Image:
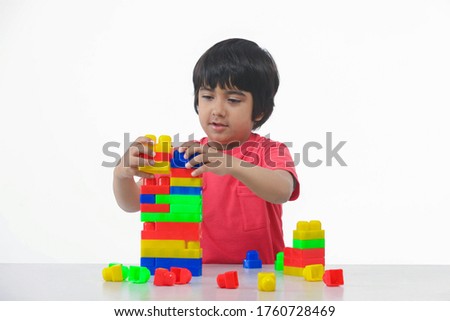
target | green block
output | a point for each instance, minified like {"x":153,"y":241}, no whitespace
{"x":185,"y":209}
{"x":179,"y":199}
{"x":279,"y":262}
{"x":139,"y":274}
{"x":309,"y":244}
{"x":171,"y":217}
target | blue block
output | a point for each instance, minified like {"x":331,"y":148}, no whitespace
{"x":252,"y":260}
{"x":148,"y":199}
{"x":193,"y":265}
{"x":178,"y":160}
{"x":185,"y":190}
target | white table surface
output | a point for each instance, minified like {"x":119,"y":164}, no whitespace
{"x":84,"y":282}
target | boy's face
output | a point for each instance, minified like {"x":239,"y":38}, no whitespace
{"x":225,"y":114}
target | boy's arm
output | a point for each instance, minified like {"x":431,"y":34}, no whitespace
{"x":272,"y":185}
{"x":126,"y":190}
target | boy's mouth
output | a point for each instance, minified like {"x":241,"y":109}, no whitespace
{"x":218,"y":126}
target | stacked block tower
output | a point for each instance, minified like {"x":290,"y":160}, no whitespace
{"x":171,"y":212}
{"x":308,"y":248}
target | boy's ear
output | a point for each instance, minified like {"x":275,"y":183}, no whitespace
{"x":259,"y":117}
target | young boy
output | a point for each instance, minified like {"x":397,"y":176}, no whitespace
{"x":246,"y":177}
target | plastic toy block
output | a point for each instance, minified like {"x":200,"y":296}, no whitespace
{"x":163,"y":277}
{"x":266,"y":281}
{"x":149,"y":181}
{"x":313,"y":272}
{"x":185,"y":190}
{"x":182,"y":275}
{"x":304,"y":253}
{"x":333,"y":277}
{"x":279,"y":262}
{"x":228,"y":280}
{"x":115,"y":273}
{"x":186,"y":181}
{"x":169,"y":244}
{"x":178,"y":160}
{"x":193,"y":265}
{"x":147,"y":199}
{"x":157,"y":168}
{"x":171,"y":231}
{"x":302,"y":262}
{"x":139,"y":274}
{"x":170,"y":217}
{"x":185,"y":209}
{"x":311,"y":230}
{"x":179,"y":199}
{"x":309,"y":244}
{"x":155,"y":189}
{"x":172,"y":253}
{"x":162,"y":157}
{"x":164,"y":144}
{"x":252,"y":260}
{"x":292,"y":270}
{"x":181,"y":172}
{"x":155,"y":208}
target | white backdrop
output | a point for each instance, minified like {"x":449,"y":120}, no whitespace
{"x":75,"y":75}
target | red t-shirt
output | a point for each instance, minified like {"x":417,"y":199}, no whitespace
{"x":235,"y":220}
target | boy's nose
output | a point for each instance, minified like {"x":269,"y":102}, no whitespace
{"x":219,"y":108}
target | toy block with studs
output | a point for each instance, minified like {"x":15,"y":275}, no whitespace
{"x":266,"y":281}
{"x":333,"y":277}
{"x":171,"y":231}
{"x":163,"y":146}
{"x":313,"y":272}
{"x":115,"y":272}
{"x":252,"y":260}
{"x":182,"y":275}
{"x":139,"y":274}
{"x":192,"y":264}
{"x":279,"y":262}
{"x":164,"y":277}
{"x":228,"y":280}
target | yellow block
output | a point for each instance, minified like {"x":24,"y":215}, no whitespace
{"x":164,"y":144}
{"x":311,"y":230}
{"x":113,"y":273}
{"x":161,"y":168}
{"x":313,"y":272}
{"x":266,"y":281}
{"x":186,"y":181}
{"x":292,"y":270}
{"x":172,"y":253}
{"x":169,"y":244}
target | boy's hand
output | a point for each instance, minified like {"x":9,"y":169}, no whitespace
{"x":139,"y":154}
{"x":210,"y":156}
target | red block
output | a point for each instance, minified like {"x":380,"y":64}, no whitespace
{"x":162,"y":157}
{"x":333,"y":277}
{"x":155,"y":208}
{"x":155,"y":189}
{"x":149,"y":181}
{"x":299,"y":262}
{"x":182,"y":275}
{"x":163,"y":277}
{"x":171,"y":231}
{"x":181,"y":172}
{"x":305,"y":254}
{"x":228,"y":280}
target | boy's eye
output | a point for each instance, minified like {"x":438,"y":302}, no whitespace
{"x":207,"y":97}
{"x":234,"y":100}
